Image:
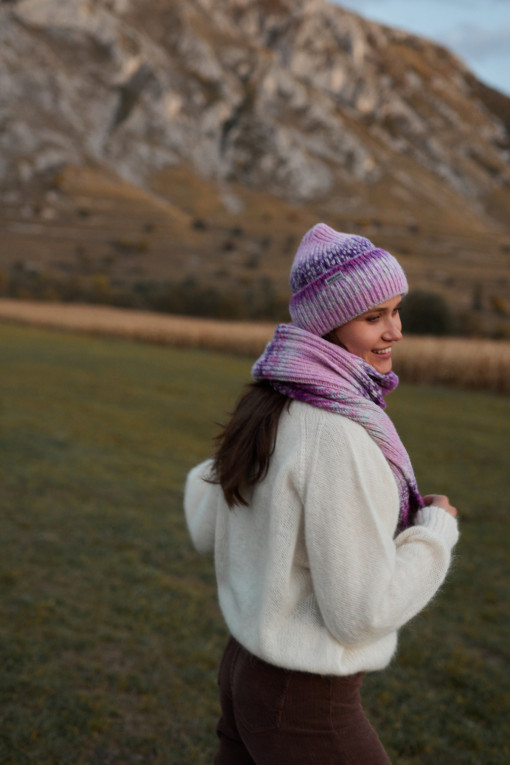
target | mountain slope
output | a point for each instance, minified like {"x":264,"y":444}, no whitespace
{"x":278,"y":105}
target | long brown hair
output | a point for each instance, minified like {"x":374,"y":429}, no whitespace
{"x":247,"y":442}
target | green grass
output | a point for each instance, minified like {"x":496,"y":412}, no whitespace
{"x":110,"y":632}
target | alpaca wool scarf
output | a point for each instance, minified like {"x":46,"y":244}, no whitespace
{"x":308,"y":368}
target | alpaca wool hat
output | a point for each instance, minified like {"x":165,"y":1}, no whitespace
{"x":336,"y":277}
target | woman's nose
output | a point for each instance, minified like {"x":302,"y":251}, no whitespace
{"x":393,"y":330}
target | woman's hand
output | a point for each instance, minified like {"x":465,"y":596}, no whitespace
{"x":440,"y":500}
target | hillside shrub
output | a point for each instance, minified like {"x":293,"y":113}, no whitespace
{"x":252,"y":261}
{"x":199,"y":224}
{"x":426,"y":313}
{"x":251,"y":299}
{"x":499,"y":305}
{"x":4,"y":282}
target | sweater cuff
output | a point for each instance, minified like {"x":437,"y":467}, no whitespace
{"x":440,"y":522}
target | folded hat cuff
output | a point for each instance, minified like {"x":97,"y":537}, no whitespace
{"x":347,"y":290}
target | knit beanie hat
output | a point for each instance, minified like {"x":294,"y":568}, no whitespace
{"x":336,"y":277}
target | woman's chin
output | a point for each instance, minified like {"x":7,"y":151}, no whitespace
{"x":382,"y":365}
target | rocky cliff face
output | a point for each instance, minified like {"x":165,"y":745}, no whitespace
{"x":295,"y":96}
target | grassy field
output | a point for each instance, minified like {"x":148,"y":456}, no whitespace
{"x":110,"y":632}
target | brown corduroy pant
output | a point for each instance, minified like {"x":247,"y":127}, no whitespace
{"x":273,"y":716}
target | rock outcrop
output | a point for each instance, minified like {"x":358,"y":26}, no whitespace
{"x":298,"y":97}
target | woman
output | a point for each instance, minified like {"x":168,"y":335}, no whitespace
{"x":323,"y":545}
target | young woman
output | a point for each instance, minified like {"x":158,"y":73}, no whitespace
{"x":323,"y":545}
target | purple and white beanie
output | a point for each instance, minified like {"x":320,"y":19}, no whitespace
{"x":336,"y":277}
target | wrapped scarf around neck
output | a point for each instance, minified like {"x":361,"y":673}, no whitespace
{"x":308,"y":368}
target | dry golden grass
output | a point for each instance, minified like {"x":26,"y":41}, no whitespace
{"x":456,"y":361}
{"x":231,"y":336}
{"x":461,"y":362}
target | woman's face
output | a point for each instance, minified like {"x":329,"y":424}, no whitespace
{"x":372,"y":335}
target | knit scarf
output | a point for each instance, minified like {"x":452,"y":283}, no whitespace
{"x":308,"y":368}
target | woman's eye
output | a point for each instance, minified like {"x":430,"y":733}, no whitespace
{"x":372,"y":318}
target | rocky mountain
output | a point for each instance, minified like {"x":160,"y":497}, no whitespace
{"x":126,"y":125}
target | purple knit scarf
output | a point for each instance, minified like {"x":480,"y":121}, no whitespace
{"x":308,"y":368}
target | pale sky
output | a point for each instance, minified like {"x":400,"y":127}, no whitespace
{"x":477,"y":31}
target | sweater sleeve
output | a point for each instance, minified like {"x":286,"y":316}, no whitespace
{"x":368,"y":583}
{"x":200,"y":507}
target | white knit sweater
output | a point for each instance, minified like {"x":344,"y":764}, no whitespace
{"x":310,"y":575}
